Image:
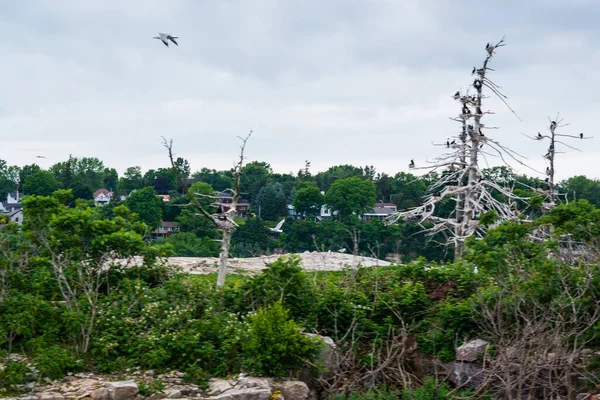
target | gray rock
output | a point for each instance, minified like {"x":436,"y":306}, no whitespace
{"x":244,"y":394}
{"x":173,"y":394}
{"x":471,"y":350}
{"x":50,"y":396}
{"x":150,"y":372}
{"x":252,"y":382}
{"x":100,"y":394}
{"x":293,"y":390}
{"x":124,"y":390}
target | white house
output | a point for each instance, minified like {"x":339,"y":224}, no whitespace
{"x":16,"y":217}
{"x":102,"y":197}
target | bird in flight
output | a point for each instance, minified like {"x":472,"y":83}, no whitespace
{"x":40,"y":156}
{"x":277,"y":228}
{"x":165,"y":37}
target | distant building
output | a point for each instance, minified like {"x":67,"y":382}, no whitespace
{"x":165,"y":229}
{"x":16,"y":216}
{"x":380,"y":211}
{"x":11,"y":208}
{"x":243,"y":206}
{"x":102,"y":197}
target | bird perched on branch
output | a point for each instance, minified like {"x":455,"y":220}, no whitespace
{"x":465,"y":110}
{"x":478,"y":111}
{"x":552,"y":126}
{"x":473,"y":72}
{"x":477,"y":84}
{"x":165,"y":37}
{"x":456,"y":96}
{"x":539,"y":136}
{"x":489,"y":48}
{"x":581,"y":135}
{"x":448,"y":143}
{"x":412,"y":164}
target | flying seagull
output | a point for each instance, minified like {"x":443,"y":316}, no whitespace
{"x":165,"y":37}
{"x":278,"y":227}
{"x":40,"y":156}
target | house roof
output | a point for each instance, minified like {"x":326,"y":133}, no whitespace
{"x":102,"y":191}
{"x":385,"y":205}
{"x":168,"y":224}
{"x":15,"y":212}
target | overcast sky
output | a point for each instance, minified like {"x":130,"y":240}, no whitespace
{"x":364,"y":82}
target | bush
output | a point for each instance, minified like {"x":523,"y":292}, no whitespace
{"x":275,"y":346}
{"x":13,"y":373}
{"x":54,"y":362}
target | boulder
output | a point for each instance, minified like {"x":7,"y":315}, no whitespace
{"x":250,"y":382}
{"x":218,"y":386}
{"x":124,"y":390}
{"x":293,"y":390}
{"x":471,"y":350}
{"x":100,"y":394}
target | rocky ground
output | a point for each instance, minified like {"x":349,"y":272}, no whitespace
{"x":311,"y":261}
{"x":145,"y":385}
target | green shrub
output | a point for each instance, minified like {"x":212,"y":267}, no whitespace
{"x":13,"y":373}
{"x":275,"y":346}
{"x":54,"y":362}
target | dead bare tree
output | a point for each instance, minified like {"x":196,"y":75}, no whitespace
{"x":555,"y":138}
{"x":223,"y":218}
{"x":540,"y":348}
{"x":461,"y":178}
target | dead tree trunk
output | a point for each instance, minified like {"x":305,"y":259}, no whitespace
{"x":555,"y":138}
{"x":465,"y":184}
{"x":222,"y":220}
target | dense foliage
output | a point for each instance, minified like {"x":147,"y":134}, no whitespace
{"x":69,"y":302}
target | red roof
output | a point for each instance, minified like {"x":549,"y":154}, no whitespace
{"x":101,"y":191}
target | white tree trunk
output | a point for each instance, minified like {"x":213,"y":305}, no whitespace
{"x":224,"y":257}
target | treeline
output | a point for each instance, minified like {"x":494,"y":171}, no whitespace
{"x":348,"y":189}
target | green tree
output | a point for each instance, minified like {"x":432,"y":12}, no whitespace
{"x":308,"y":201}
{"x":251,"y":235}
{"x":8,"y":179}
{"x":254,"y":176}
{"x":187,"y":244}
{"x":89,"y":171}
{"x":41,"y":183}
{"x":351,"y":195}
{"x":131,"y":180}
{"x":147,"y":205}
{"x":408,"y":190}
{"x":25,"y":172}
{"x":111,"y":179}
{"x":271,"y":202}
{"x":219,"y":180}
{"x":580,"y":187}
{"x":325,"y":179}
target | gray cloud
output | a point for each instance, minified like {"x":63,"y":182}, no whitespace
{"x":337,"y":82}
